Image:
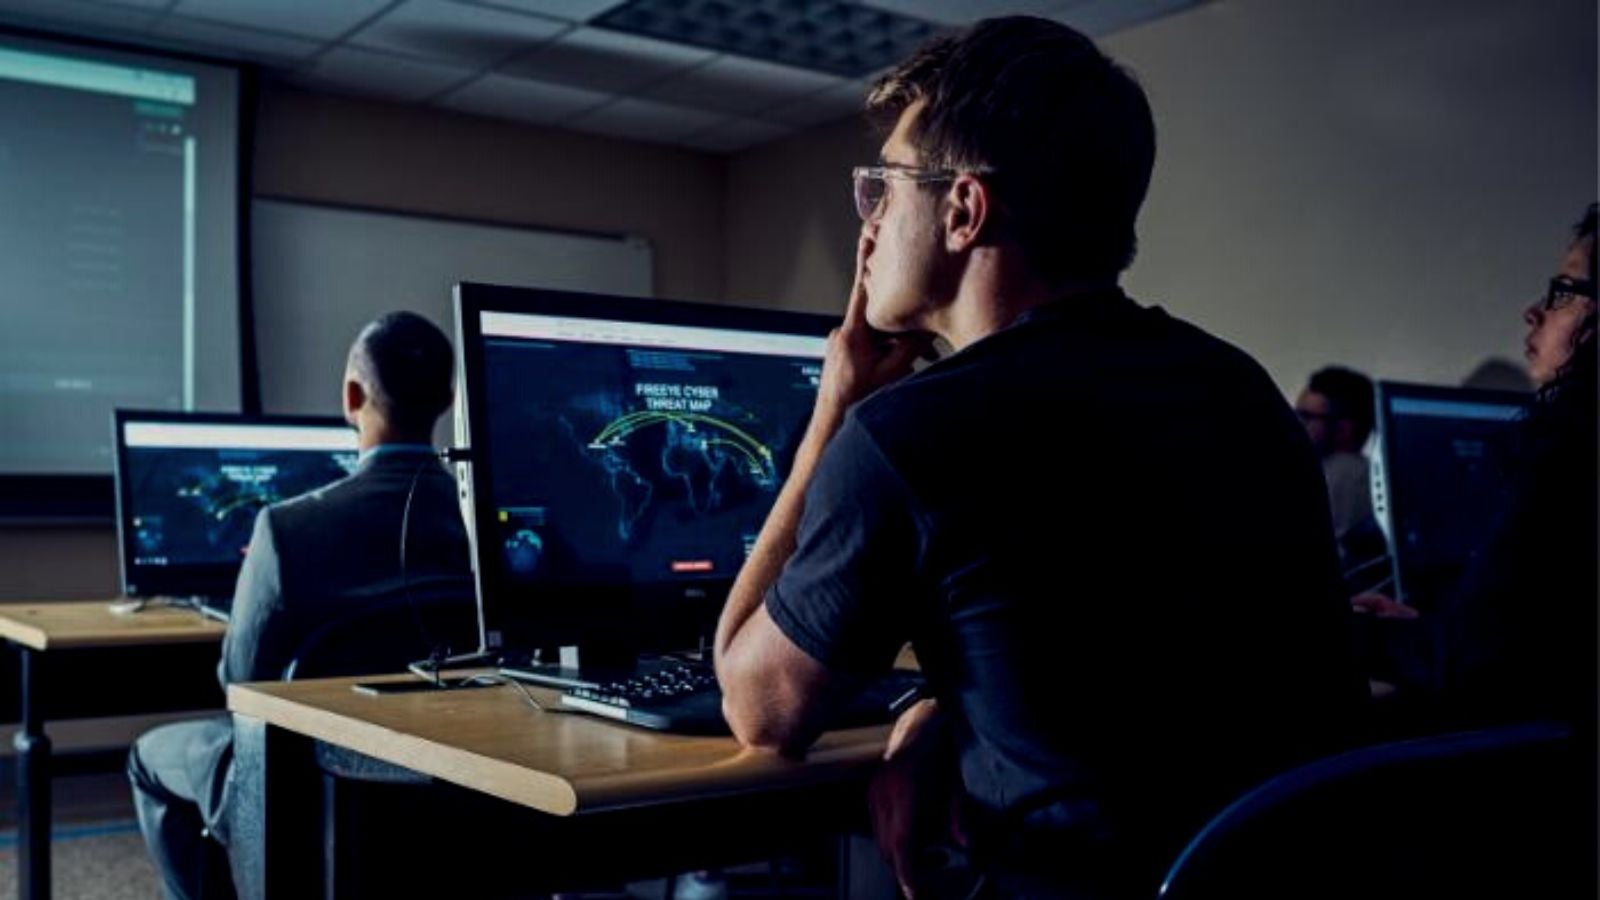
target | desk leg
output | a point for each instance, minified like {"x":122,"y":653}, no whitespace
{"x":275,"y":835}
{"x":33,"y":784}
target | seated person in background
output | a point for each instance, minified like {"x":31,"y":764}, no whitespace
{"x":1516,"y":640}
{"x":1088,"y":610}
{"x":1499,"y":374}
{"x":311,"y":559}
{"x":1337,"y":409}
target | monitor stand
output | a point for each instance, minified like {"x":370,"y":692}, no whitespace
{"x":580,"y":666}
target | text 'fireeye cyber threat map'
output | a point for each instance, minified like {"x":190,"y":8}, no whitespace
{"x":616,"y":462}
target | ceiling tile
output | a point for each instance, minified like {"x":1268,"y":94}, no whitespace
{"x":744,"y":86}
{"x":570,"y":10}
{"x":1102,"y":17}
{"x":230,"y":42}
{"x":100,"y":19}
{"x":605,"y":61}
{"x":963,"y":12}
{"x":822,"y":106}
{"x":505,"y":97}
{"x":477,"y":36}
{"x":320,"y":19}
{"x":735,"y":134}
{"x":142,"y":4}
{"x":384,"y":74}
{"x":645,"y":120}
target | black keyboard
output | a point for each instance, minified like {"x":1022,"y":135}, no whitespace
{"x":683,"y":697}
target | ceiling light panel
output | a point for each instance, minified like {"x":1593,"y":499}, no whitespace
{"x":821,"y":35}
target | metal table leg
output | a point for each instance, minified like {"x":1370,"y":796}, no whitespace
{"x":33,"y":785}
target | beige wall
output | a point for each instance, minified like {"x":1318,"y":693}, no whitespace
{"x":1375,"y":182}
{"x":1370,"y":181}
{"x":337,"y":150}
{"x":58,"y":563}
{"x":791,"y":223}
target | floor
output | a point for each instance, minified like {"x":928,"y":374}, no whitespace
{"x":97,"y":853}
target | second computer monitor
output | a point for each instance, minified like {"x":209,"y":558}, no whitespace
{"x":189,"y":486}
{"x":624,"y":454}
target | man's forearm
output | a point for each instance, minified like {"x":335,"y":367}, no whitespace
{"x":776,"y":542}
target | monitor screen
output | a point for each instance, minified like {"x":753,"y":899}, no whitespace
{"x":189,"y":487}
{"x":119,"y":242}
{"x":624,"y":452}
{"x":1443,"y":477}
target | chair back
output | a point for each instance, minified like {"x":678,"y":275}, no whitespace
{"x":390,"y":627}
{"x":1502,"y":812}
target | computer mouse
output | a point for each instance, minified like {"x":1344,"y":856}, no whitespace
{"x":125,"y":606}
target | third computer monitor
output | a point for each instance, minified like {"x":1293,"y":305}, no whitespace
{"x":1443,"y":478}
{"x":624,"y":455}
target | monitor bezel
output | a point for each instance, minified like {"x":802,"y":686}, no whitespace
{"x":185,"y":580}
{"x":1389,"y":504}
{"x":583,"y":614}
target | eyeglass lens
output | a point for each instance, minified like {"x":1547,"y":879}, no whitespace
{"x":1562,"y":294}
{"x":869,"y":190}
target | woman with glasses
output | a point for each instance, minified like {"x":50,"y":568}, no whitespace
{"x":1517,"y":639}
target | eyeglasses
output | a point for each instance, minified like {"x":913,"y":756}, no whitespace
{"x":1564,"y":291}
{"x":871,"y":183}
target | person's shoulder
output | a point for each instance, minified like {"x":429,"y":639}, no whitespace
{"x":904,"y":404}
{"x":315,"y":503}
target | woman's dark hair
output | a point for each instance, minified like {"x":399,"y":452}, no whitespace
{"x":1064,"y":134}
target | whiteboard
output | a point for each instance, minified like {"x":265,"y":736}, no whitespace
{"x":319,"y":273}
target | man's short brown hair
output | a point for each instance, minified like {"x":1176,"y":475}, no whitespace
{"x":1065,"y":132}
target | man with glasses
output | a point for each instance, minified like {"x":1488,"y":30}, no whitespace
{"x":1103,"y":531}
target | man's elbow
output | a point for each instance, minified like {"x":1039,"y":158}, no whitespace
{"x":752,"y":731}
{"x":758,"y":717}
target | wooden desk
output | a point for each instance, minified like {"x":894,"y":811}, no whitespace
{"x":36,"y":628}
{"x":491,"y":741}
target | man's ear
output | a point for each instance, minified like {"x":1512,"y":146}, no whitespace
{"x":355,"y":397}
{"x":966,"y":213}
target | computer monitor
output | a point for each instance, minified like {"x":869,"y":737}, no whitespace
{"x":1440,"y":479}
{"x":624,"y":453}
{"x":189,"y":486}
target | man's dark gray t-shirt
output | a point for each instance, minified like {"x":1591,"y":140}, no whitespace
{"x":1107,"y":537}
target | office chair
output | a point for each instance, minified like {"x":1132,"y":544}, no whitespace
{"x":1502,"y":812}
{"x":381,"y":634}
